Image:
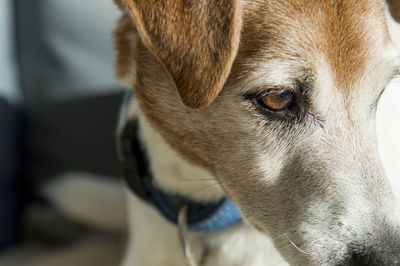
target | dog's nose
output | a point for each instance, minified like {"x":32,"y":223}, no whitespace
{"x":376,"y":256}
{"x":379,"y":247}
{"x":373,"y":260}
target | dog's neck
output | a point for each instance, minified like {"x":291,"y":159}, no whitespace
{"x":171,"y":172}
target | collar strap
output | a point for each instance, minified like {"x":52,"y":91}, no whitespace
{"x":136,"y":173}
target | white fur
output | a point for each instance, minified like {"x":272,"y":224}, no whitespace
{"x":275,"y":73}
{"x":152,"y":239}
{"x":325,"y":87}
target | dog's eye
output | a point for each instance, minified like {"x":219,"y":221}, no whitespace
{"x":276,"y":101}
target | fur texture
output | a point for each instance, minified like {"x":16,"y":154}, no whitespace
{"x":174,"y":32}
{"x":310,"y":178}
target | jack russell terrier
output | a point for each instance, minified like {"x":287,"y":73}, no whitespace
{"x":250,"y":137}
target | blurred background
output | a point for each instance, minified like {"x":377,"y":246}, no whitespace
{"x":59,"y":103}
{"x":61,"y":200}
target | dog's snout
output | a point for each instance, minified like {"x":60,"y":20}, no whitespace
{"x":376,"y":255}
{"x":373,"y":259}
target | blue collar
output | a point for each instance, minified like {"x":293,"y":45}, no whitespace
{"x":202,"y":218}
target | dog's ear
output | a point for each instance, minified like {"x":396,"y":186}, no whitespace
{"x":196,"y":40}
{"x":119,"y":4}
{"x":394,"y":7}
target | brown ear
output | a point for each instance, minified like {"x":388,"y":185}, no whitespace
{"x":118,"y":3}
{"x":197,"y":40}
{"x":394,"y":7}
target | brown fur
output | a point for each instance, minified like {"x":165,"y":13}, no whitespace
{"x":197,"y":42}
{"x":307,"y":30}
{"x":394,"y":6}
{"x":125,"y":46}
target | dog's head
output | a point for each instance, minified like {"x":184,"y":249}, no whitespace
{"x":277,"y":99}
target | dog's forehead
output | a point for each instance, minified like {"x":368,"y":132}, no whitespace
{"x":349,"y":37}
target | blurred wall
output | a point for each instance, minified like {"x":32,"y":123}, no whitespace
{"x":8,"y":69}
{"x":71,"y":96}
{"x":66,"y":49}
{"x":10,"y":96}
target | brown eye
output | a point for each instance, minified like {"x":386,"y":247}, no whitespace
{"x":276,"y":101}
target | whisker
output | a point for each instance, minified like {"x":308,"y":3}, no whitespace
{"x":206,"y":187}
{"x":196,"y":180}
{"x":294,"y":245}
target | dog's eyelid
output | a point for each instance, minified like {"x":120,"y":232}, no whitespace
{"x":272,"y":91}
{"x":266,"y":90}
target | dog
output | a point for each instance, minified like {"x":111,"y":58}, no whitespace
{"x":272,"y":105}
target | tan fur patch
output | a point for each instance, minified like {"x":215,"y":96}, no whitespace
{"x":125,"y":46}
{"x":304,"y":31}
